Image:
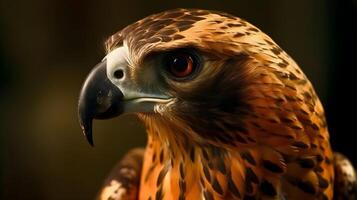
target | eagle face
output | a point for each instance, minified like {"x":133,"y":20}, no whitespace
{"x":192,"y":77}
{"x":201,"y":78}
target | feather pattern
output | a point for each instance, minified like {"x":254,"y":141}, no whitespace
{"x":249,"y":126}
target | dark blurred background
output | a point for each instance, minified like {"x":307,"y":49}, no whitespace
{"x":47,"y":47}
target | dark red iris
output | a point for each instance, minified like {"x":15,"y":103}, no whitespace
{"x":181,"y":65}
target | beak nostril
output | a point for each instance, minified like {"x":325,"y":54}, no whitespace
{"x":119,"y":74}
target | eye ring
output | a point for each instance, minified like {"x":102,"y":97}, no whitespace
{"x":181,"y":65}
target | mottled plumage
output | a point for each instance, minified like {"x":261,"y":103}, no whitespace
{"x":249,"y":125}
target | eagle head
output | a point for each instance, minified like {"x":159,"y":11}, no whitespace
{"x":208,"y":78}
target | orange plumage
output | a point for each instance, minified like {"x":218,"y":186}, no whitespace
{"x":247,"y":125}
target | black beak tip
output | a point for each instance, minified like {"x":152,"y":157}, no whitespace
{"x":86,"y":126}
{"x":98,"y":99}
{"x":89,"y":137}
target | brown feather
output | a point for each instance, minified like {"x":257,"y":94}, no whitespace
{"x":250,"y":108}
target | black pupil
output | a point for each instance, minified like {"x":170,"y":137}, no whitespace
{"x":179,"y":64}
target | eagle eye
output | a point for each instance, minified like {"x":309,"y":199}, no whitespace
{"x":181,"y":64}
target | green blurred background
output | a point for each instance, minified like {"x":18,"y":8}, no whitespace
{"x":47,"y":47}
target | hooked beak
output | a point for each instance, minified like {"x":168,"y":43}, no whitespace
{"x":109,"y":91}
{"x":99,"y":99}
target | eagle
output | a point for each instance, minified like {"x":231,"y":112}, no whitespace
{"x":228,"y":114}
